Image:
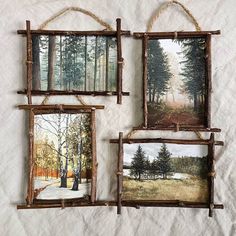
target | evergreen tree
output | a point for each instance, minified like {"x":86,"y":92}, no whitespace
{"x":164,"y":162}
{"x":51,"y":61}
{"x":147,"y":167}
{"x":194,"y":69}
{"x":74,"y":63}
{"x":36,"y":83}
{"x":159,"y":73}
{"x":154,"y":168}
{"x":137,"y":167}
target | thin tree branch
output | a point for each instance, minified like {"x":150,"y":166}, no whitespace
{"x":50,"y":123}
{"x":46,"y":129}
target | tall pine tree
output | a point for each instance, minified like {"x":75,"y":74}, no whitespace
{"x":138,"y":164}
{"x":163,"y":162}
{"x":194,"y":69}
{"x":159,"y":73}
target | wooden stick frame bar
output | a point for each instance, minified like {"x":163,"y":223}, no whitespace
{"x":94,"y":157}
{"x":134,"y":204}
{"x":60,"y":107}
{"x":169,"y":203}
{"x":145,"y":36}
{"x":180,"y":128}
{"x":211,"y":173}
{"x":29,"y":61}
{"x":175,"y":34}
{"x":120,"y":173}
{"x":73,"y":92}
{"x":208,"y":80}
{"x":75,"y":33}
{"x":51,"y":109}
{"x":118,"y":34}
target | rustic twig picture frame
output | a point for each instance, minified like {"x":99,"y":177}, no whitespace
{"x":158,"y":114}
{"x":46,"y":122}
{"x":208,"y":167}
{"x":109,"y":84}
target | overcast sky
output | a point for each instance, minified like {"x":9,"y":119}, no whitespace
{"x":152,"y":149}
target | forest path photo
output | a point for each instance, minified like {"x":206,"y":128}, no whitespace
{"x":176,"y":82}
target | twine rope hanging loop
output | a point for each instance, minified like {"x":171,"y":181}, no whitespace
{"x":166,"y":5}
{"x":77,"y":9}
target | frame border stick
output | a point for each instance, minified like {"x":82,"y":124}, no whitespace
{"x":120,"y":61}
{"x":144,"y":57}
{"x":30,"y":190}
{"x":60,"y":107}
{"x":120,"y":173}
{"x":208,"y":80}
{"x":29,"y":61}
{"x":211,"y":173}
{"x":94,"y":157}
{"x":180,"y":34}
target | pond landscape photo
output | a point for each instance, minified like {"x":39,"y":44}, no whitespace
{"x":63,"y":156}
{"x":157,"y":171}
{"x":176,"y":82}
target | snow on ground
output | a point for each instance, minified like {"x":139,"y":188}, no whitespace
{"x":126,"y":172}
{"x":55,"y":192}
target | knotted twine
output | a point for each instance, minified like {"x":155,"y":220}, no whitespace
{"x":62,"y":13}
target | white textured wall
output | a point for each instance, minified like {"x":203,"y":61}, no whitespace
{"x":212,"y":15}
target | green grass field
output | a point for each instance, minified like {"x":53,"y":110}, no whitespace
{"x":193,"y":189}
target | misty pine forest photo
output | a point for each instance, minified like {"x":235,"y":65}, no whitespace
{"x":176,"y":79}
{"x":63,"y":156}
{"x":155,"y":171}
{"x":80,"y":63}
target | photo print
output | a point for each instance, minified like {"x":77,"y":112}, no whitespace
{"x":176,"y":90}
{"x":63,"y":155}
{"x":70,"y":62}
{"x":159,"y":171}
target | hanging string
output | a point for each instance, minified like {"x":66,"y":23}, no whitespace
{"x":198,"y":135}
{"x":166,"y":5}
{"x":131,"y":133}
{"x":45,"y":100}
{"x":80,"y":100}
{"x":77,"y":9}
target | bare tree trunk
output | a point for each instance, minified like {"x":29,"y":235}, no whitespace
{"x":75,"y":186}
{"x":80,"y":158}
{"x":173,"y":96}
{"x":153,"y":94}
{"x":85,"y":64}
{"x":107,"y":65}
{"x":61,"y":64}
{"x":36,"y":63}
{"x":158,"y":98}
{"x":149,"y":94}
{"x":62,"y":170}
{"x":65,"y":170}
{"x":195,"y":102}
{"x":95,"y":64}
{"x":51,"y":59}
